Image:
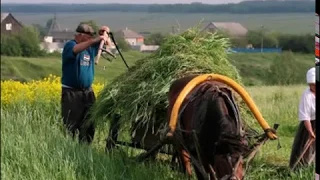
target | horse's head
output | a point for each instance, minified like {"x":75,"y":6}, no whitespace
{"x":228,"y":156}
{"x":231,"y":145}
{"x":229,"y":166}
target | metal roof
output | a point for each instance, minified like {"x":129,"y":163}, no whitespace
{"x":3,"y":16}
{"x":62,"y":35}
{"x":128,"y":33}
{"x":233,"y":28}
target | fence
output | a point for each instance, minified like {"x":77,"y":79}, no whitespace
{"x":264,"y":50}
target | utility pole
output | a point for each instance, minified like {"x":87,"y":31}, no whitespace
{"x":262,"y":34}
{"x":173,"y":30}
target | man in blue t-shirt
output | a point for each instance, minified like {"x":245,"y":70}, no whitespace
{"x":77,"y":77}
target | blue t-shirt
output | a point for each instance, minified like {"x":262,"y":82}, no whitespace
{"x":78,"y":69}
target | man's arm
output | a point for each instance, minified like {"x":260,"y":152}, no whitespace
{"x":84,"y":45}
{"x":308,"y":126}
{"x":95,"y":48}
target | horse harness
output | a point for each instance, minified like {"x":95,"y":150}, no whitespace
{"x":197,"y":162}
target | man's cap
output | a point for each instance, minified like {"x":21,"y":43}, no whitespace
{"x":86,"y":29}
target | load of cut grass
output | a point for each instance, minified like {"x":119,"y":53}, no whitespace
{"x":140,"y":94}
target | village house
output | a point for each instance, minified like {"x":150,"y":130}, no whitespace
{"x":234,"y":29}
{"x":9,"y":24}
{"x":135,"y":40}
{"x":56,"y":37}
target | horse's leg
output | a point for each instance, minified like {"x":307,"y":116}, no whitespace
{"x":186,"y":160}
{"x":199,"y":174}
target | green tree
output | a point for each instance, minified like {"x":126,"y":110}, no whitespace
{"x":10,"y":46}
{"x":26,"y":43}
{"x":155,"y":39}
{"x":286,"y":70}
{"x":297,"y":43}
{"x":29,"y":42}
{"x":261,"y":37}
{"x":42,"y":30}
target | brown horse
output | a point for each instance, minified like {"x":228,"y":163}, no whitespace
{"x":209,"y":131}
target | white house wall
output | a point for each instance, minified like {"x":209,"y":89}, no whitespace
{"x":132,"y":41}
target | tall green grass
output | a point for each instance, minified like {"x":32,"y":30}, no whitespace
{"x":34,"y":145}
{"x":254,"y":68}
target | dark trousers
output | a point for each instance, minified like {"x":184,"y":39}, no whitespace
{"x":75,"y":105}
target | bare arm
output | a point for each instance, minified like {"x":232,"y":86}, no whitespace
{"x":84,"y":45}
{"x":308,"y":126}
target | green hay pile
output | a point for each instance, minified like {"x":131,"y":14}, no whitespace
{"x":137,"y":93}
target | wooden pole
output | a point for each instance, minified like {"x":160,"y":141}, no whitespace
{"x":306,"y":147}
{"x":100,"y":48}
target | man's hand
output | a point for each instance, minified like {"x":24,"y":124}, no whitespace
{"x":102,"y":29}
{"x":104,"y":36}
{"x":313,"y":135}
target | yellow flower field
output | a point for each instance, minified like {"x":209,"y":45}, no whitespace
{"x":46,"y":90}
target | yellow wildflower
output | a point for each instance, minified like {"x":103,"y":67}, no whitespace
{"x":46,"y":90}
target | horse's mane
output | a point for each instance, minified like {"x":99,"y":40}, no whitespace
{"x":211,"y":101}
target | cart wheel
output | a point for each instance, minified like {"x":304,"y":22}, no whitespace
{"x":112,"y":138}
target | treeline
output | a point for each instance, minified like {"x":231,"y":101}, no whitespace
{"x":246,"y":7}
{"x":27,"y":42}
{"x":302,"y":43}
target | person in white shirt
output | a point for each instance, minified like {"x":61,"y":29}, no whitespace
{"x":307,"y":126}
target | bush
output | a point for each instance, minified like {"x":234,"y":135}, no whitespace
{"x":10,"y":46}
{"x":257,"y":37}
{"x":297,"y":43}
{"x":286,"y":70}
{"x":25,"y":43}
{"x":303,"y":43}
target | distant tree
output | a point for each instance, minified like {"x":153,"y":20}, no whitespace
{"x":260,"y":37}
{"x":29,"y":42}
{"x":10,"y":46}
{"x":285,"y":69}
{"x":303,"y":43}
{"x":25,"y":43}
{"x":155,"y":39}
{"x":42,"y":30}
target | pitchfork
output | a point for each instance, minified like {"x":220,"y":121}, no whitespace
{"x":306,"y":147}
{"x":110,"y":35}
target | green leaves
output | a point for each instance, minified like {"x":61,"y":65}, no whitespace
{"x":26,"y":43}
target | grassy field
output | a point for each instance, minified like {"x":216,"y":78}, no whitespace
{"x":163,"y":22}
{"x":33,"y":146}
{"x":252,"y":67}
{"x":26,"y":69}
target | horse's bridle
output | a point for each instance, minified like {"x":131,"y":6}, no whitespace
{"x":233,"y":176}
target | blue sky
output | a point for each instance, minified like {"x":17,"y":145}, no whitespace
{"x":122,"y":1}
